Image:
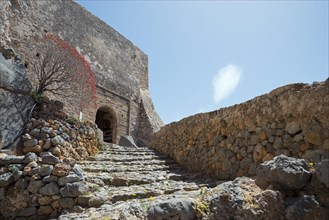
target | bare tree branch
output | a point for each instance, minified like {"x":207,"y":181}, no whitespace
{"x":62,"y":71}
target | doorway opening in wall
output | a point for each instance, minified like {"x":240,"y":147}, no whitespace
{"x":107,"y":122}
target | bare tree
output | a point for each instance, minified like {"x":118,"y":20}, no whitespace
{"x":60,"y":69}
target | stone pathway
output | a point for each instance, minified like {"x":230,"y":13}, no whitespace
{"x":124,"y":182}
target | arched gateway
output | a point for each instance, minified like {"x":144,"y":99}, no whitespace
{"x":106,"y":120}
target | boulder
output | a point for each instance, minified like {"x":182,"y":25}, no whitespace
{"x":175,"y":208}
{"x":240,"y":199}
{"x":127,"y":141}
{"x":286,"y":172}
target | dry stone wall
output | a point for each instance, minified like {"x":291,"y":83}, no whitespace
{"x":43,"y":179}
{"x":291,"y":120}
{"x":32,"y":186}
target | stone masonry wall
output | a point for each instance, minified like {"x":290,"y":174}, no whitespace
{"x":45,"y":180}
{"x":230,"y":142}
{"x":118,"y":65}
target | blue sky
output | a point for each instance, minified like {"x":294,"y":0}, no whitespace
{"x":205,"y":55}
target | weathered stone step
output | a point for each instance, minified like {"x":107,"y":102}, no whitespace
{"x":131,"y":149}
{"x":121,"y":210}
{"x":124,"y":158}
{"x":123,"y":193}
{"x":133,"y":153}
{"x":127,"y":163}
{"x":134,"y":178}
{"x":123,"y":151}
{"x":130,"y":177}
{"x":154,"y":189}
{"x":139,"y":150}
{"x":139,"y":168}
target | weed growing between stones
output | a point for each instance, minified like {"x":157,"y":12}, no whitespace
{"x":311,"y":166}
{"x":249,"y":201}
{"x":201,"y":207}
{"x":200,"y":204}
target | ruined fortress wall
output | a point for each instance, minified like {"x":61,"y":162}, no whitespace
{"x":118,"y":65}
{"x":291,"y":120}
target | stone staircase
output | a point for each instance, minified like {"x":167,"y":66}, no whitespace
{"x":124,"y":182}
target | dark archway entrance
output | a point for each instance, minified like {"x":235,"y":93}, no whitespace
{"x":107,"y":122}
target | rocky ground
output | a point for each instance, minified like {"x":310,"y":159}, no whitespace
{"x":137,"y":183}
{"x":130,"y":183}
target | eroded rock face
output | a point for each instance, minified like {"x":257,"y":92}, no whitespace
{"x":172,"y":209}
{"x":242,"y":199}
{"x":287,"y":172}
{"x":15,"y":102}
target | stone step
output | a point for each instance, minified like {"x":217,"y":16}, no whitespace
{"x":127,"y":163}
{"x":133,"y":178}
{"x":128,"y":149}
{"x":132,"y":153}
{"x":134,"y":168}
{"x":123,"y":151}
{"x":124,"y":193}
{"x":121,"y":209}
{"x":122,"y":159}
{"x":141,"y":178}
{"x":127,"y":177}
{"x":154,"y":189}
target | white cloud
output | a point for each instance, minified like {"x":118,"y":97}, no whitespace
{"x":225,"y":82}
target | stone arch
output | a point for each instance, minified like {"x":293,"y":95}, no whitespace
{"x":106,"y":120}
